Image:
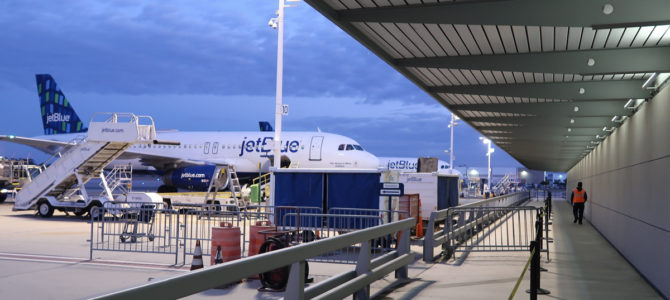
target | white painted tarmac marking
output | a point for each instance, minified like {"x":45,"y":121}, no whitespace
{"x":77,"y":260}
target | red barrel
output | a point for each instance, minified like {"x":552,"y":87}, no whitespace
{"x":228,"y":237}
{"x":256,"y":239}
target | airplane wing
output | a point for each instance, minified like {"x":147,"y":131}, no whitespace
{"x":47,"y":146}
{"x":164,"y":162}
{"x":159,"y":162}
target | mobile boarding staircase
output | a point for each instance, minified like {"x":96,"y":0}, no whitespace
{"x":226,"y":175}
{"x":61,"y":180}
{"x":502,"y":186}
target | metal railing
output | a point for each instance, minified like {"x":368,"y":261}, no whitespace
{"x":352,"y":282}
{"x":135,"y":227}
{"x":447,"y":225}
{"x":494,"y":229}
{"x":542,"y":194}
{"x":176,"y":228}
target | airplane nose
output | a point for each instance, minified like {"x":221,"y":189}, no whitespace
{"x":369,"y":161}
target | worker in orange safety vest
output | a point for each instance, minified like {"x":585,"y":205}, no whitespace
{"x":578,"y":198}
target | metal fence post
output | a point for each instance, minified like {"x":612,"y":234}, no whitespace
{"x":183,"y":245}
{"x":92,"y":228}
{"x":429,"y":239}
{"x":176,"y":238}
{"x":403,"y":248}
{"x":448,"y":230}
{"x":534,"y":270}
{"x":102,"y":226}
{"x":362,"y":267}
{"x":546,"y":232}
{"x":295,"y":288}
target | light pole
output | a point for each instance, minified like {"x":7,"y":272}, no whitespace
{"x":489,"y":151}
{"x":453,"y":123}
{"x":278,"y":23}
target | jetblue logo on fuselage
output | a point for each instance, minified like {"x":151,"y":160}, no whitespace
{"x":112,"y":130}
{"x":414,"y":179}
{"x":192,"y":175}
{"x":401,"y":165}
{"x":264,"y":146}
{"x":57,"y":117}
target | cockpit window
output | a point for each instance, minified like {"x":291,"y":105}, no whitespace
{"x":341,"y":147}
{"x":350,"y":147}
{"x":358,"y":147}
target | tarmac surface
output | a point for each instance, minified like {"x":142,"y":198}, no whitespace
{"x":49,"y":259}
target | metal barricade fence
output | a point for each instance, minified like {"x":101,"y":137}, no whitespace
{"x":542,"y":194}
{"x":135,"y":227}
{"x":196,"y":224}
{"x":322,"y":226}
{"x":494,"y":229}
{"x":174,"y":229}
{"x":441,"y":223}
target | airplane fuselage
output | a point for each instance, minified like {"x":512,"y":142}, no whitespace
{"x":249,"y":151}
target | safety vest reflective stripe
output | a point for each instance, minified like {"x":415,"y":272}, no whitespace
{"x":579,"y":196}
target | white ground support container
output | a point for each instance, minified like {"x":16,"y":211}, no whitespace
{"x":436,"y":190}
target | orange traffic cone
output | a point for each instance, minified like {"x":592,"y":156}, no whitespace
{"x":419,"y":228}
{"x":197,"y":257}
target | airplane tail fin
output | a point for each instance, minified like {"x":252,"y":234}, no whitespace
{"x":58,"y":115}
{"x":265,"y":126}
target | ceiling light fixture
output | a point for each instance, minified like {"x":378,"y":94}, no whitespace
{"x":569,"y":129}
{"x":576,"y":109}
{"x":608,"y":9}
{"x":608,"y":130}
{"x":572,"y":121}
{"x":591,"y":62}
{"x":582,"y":91}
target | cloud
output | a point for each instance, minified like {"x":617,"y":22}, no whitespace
{"x":203,"y":65}
{"x":190,"y":47}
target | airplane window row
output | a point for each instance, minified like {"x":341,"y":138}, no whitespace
{"x":193,"y":146}
{"x":349,"y":147}
{"x":186,"y":146}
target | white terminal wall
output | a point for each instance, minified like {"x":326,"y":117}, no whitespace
{"x":627,"y":178}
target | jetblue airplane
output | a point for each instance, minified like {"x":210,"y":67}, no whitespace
{"x":191,"y":163}
{"x":407,"y":164}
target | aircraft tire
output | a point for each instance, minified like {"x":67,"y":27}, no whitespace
{"x":3,"y":197}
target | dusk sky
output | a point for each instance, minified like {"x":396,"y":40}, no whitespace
{"x":211,"y":65}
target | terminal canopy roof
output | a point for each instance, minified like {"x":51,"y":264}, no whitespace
{"x":543,"y":79}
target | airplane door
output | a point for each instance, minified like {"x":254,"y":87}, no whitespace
{"x":315,"y":148}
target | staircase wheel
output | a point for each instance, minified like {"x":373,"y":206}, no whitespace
{"x":80,"y":212}
{"x":45,"y":209}
{"x":275,"y":279}
{"x":95,"y":214}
